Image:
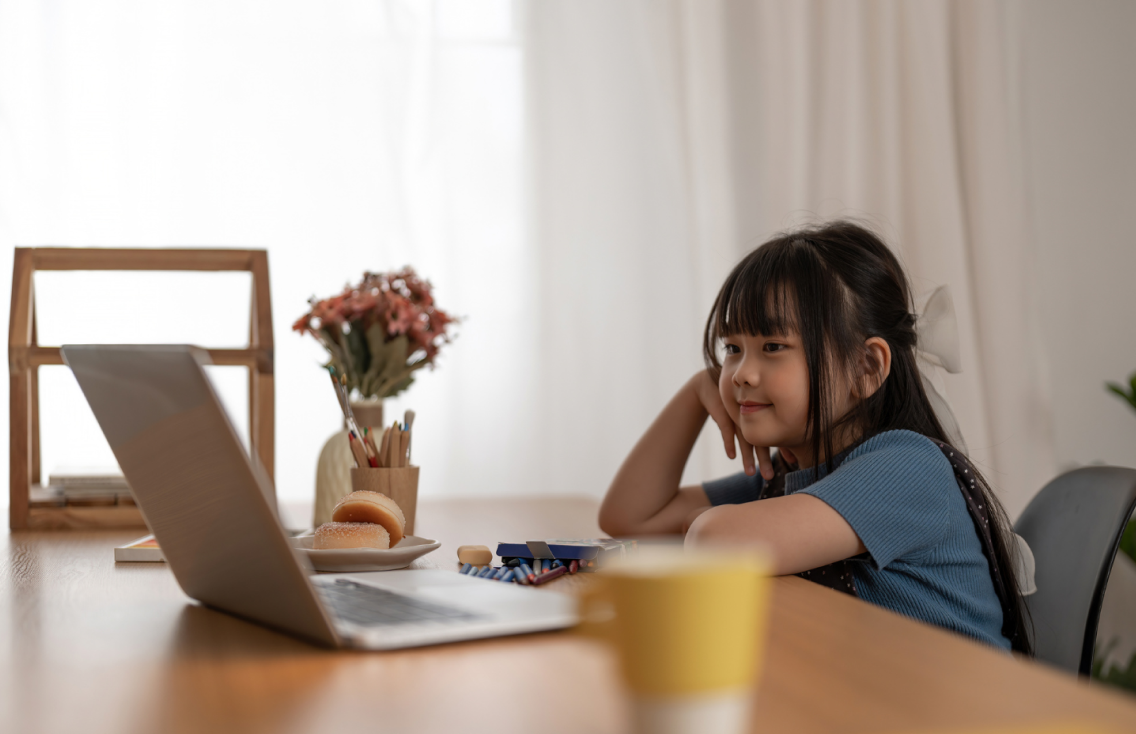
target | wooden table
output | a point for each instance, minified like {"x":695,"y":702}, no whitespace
{"x":91,"y":646}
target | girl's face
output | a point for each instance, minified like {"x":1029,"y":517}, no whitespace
{"x":765,"y":388}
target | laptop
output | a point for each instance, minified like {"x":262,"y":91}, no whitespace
{"x":213,"y":511}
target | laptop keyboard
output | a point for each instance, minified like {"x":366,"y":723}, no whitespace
{"x":369,"y":606}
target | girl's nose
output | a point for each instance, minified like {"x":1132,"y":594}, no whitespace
{"x":747,"y":374}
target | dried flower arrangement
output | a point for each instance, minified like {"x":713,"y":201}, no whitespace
{"x":379,"y":332}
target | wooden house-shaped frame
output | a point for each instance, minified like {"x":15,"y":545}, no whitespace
{"x":31,"y":506}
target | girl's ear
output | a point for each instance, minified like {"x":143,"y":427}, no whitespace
{"x":875,"y":366}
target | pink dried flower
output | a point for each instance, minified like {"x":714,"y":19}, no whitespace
{"x":402,"y":306}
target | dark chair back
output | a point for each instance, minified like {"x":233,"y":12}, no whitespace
{"x":1073,"y":527}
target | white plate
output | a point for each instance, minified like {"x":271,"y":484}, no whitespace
{"x":347,"y":560}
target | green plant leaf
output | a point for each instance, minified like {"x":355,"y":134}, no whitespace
{"x":1129,"y":397}
{"x":1128,"y":540}
{"x":1115,"y":675}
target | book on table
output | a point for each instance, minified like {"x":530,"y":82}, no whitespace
{"x":143,"y":550}
{"x":90,"y":484}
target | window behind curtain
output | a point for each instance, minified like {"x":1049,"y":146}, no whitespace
{"x":340,"y":136}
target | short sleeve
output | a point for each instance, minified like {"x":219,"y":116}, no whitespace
{"x":735,"y":489}
{"x":894,"y":492}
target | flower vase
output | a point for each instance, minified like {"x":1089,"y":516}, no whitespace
{"x":333,"y":471}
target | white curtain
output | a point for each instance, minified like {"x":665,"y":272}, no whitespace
{"x":343,"y":136}
{"x":632,"y":217}
{"x":671,"y":137}
{"x":577,"y":182}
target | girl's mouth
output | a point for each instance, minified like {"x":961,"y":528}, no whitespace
{"x":749,"y":406}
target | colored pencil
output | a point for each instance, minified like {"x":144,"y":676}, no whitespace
{"x":357,"y":451}
{"x":384,"y":446}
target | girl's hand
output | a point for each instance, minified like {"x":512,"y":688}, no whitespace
{"x":711,"y":399}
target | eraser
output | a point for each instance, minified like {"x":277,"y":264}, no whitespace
{"x":476,"y":555}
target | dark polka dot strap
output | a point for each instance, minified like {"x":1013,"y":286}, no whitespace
{"x":837,"y":575}
{"x":841,"y":575}
{"x":980,"y":514}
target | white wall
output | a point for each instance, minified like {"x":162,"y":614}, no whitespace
{"x":1079,"y":106}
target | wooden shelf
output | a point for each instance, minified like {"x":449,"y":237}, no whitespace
{"x":33,"y":506}
{"x":48,"y":510}
{"x":70,"y":517}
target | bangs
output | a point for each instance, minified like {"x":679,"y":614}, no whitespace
{"x":752,"y":308}
{"x":760,"y":297}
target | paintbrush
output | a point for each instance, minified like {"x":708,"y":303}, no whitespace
{"x":408,"y":421}
{"x":340,"y":385}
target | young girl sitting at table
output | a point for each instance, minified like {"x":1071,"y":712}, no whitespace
{"x":810,"y":348}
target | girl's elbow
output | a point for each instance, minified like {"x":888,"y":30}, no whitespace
{"x":608,"y":526}
{"x":705,"y":529}
{"x":719,"y":527}
{"x":611,"y":524}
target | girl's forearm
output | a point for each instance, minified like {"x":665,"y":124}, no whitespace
{"x":644,"y":497}
{"x":799,"y":532}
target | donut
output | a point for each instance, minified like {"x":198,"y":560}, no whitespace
{"x":350,"y":535}
{"x":364,"y":506}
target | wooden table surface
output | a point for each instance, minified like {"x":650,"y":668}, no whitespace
{"x":91,"y":646}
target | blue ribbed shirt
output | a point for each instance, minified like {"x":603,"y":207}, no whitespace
{"x":924,"y":559}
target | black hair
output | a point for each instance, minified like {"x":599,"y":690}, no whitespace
{"x":837,"y":285}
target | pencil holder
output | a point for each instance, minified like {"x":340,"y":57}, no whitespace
{"x":400,"y":484}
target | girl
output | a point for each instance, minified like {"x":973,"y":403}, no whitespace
{"x":810,"y":348}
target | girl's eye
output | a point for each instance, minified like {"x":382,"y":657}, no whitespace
{"x":732,"y":349}
{"x":773,"y":347}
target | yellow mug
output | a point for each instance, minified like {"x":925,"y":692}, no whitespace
{"x":688,"y":629}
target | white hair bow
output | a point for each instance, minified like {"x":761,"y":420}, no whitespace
{"x":937,"y":346}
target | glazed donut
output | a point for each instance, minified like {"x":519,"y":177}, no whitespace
{"x":351,"y":535}
{"x":364,"y":506}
